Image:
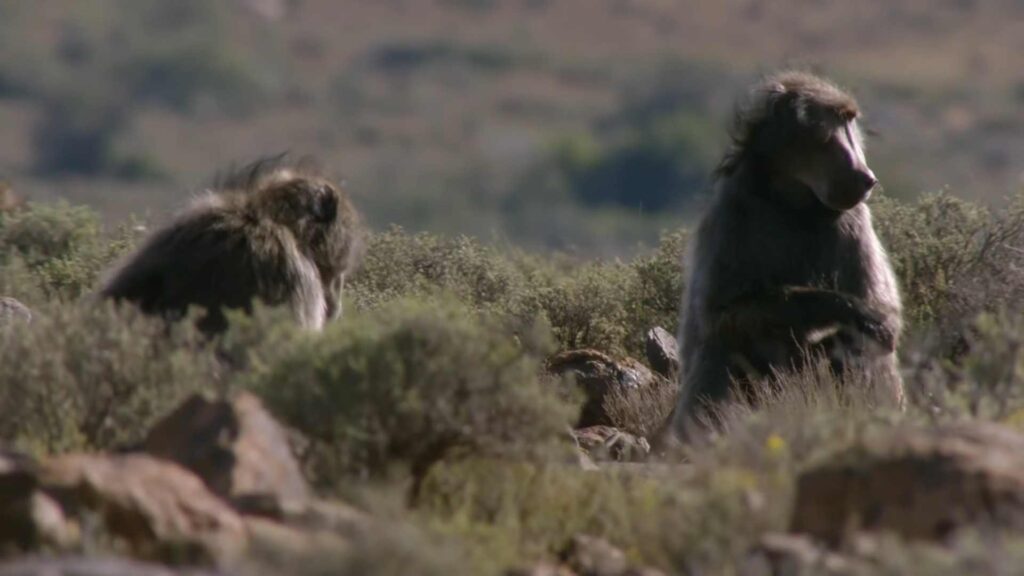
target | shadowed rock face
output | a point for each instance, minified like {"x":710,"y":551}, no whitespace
{"x":604,"y":379}
{"x":921,"y":484}
{"x":156,"y":508}
{"x":662,"y":351}
{"x":237,"y":448}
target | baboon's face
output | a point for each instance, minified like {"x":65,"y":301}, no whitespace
{"x":830,"y":161}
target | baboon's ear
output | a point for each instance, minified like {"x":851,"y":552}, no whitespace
{"x":782,"y":121}
{"x":325,"y":205}
{"x":785,"y":106}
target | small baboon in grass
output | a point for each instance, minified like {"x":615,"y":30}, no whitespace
{"x":786,"y":267}
{"x":275,"y":230}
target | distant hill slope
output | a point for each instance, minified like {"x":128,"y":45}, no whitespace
{"x":456,"y":115}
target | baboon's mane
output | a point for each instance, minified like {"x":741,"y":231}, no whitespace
{"x":253,"y":176}
{"x":781,"y":104}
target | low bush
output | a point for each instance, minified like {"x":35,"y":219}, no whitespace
{"x":699,"y":517}
{"x":92,"y":376}
{"x":603,"y":305}
{"x":396,"y":390}
{"x":953,"y":258}
{"x":58,"y":249}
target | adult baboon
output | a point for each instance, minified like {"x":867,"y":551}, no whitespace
{"x":785,"y":264}
{"x":274,"y":230}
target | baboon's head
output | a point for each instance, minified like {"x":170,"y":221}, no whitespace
{"x":803,"y":131}
{"x":316,"y":210}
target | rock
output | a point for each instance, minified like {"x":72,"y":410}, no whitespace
{"x":237,"y":448}
{"x":590,"y":556}
{"x":794,"y":555}
{"x":89,"y":566}
{"x":158,"y":509}
{"x":621,"y":393}
{"x":29,"y":519}
{"x":662,"y":352}
{"x":12,"y":311}
{"x":919,"y":483}
{"x":608,"y":443}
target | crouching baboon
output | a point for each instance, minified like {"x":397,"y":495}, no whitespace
{"x":274,"y":230}
{"x":785,"y":265}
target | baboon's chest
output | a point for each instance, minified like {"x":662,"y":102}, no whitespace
{"x":810,"y":257}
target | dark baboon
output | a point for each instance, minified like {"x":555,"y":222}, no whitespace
{"x":785,"y":264}
{"x":275,"y":231}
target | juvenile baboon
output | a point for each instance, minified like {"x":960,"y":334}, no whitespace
{"x":274,"y":230}
{"x":785,"y":265}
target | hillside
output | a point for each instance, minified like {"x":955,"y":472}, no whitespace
{"x":586,"y":124}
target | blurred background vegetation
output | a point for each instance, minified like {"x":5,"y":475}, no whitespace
{"x":587,"y":126}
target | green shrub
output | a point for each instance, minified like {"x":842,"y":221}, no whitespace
{"x":659,"y":284}
{"x":61,"y":246}
{"x":587,"y":308}
{"x":603,"y":305}
{"x":400,"y":264}
{"x":91,"y":376}
{"x":984,"y":379}
{"x":48,"y":232}
{"x":411,"y":384}
{"x":952,"y":258}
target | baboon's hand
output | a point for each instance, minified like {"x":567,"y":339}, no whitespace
{"x":872,"y":325}
{"x":332,"y":296}
{"x":832,"y":313}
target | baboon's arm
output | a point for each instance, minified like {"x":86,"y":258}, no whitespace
{"x":332,"y":296}
{"x":799,"y":311}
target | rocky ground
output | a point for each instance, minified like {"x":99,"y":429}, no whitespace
{"x":216,"y":488}
{"x":484,"y":411}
